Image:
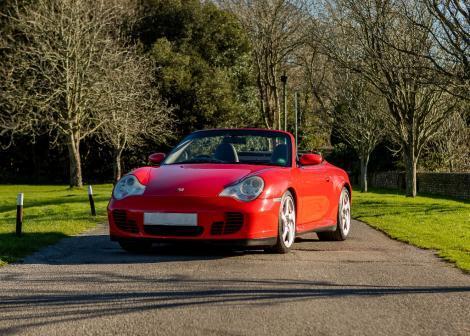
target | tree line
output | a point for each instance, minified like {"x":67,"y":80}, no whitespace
{"x":129,"y":75}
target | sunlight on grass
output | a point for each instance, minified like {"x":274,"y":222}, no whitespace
{"x":50,"y":213}
{"x":428,"y":222}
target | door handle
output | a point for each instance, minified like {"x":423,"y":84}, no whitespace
{"x":327,"y":179}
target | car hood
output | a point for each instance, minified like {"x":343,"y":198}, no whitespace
{"x":196,"y":179}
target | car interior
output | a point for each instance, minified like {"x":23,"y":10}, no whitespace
{"x":228,"y":153}
{"x":250,"y":149}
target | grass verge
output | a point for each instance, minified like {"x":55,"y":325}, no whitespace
{"x":428,"y":222}
{"x":50,"y":213}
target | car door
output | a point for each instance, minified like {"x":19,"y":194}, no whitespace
{"x":315,"y":190}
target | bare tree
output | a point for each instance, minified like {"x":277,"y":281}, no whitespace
{"x":275,"y":28}
{"x":451,"y":149}
{"x":374,"y":39}
{"x":54,"y":72}
{"x":318,"y":76}
{"x":360,"y":119}
{"x":137,"y":112}
{"x":11,"y":122}
{"x":451,"y":32}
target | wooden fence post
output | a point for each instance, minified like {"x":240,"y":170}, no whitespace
{"x":92,"y":201}
{"x":19,"y":214}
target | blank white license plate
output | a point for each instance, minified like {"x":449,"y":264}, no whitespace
{"x":168,"y":218}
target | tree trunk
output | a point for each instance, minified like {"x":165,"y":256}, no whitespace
{"x":117,"y":165}
{"x":262,"y":97}
{"x":75,"y":165}
{"x":364,"y":165}
{"x":410,"y":173}
{"x":267,"y":106}
{"x":277,"y":104}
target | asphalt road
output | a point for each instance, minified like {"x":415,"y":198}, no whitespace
{"x":368,"y":285}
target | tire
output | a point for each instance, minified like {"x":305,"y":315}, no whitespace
{"x":343,"y":225}
{"x":286,"y":226}
{"x":135,"y":246}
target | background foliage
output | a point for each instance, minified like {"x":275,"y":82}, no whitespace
{"x":218,"y":64}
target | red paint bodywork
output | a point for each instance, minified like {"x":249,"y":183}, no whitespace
{"x":310,"y":159}
{"x":156,"y":158}
{"x":316,"y":189}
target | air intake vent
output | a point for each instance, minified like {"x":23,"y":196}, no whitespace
{"x":120,"y":219}
{"x":217,"y":228}
{"x":233,"y":223}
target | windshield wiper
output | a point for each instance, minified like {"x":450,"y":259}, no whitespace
{"x":260,"y":163}
{"x":201,"y":160}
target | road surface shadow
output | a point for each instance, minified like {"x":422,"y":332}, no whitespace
{"x":32,"y":309}
{"x":98,"y":249}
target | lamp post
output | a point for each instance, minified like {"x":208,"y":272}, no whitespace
{"x":284,"y":95}
{"x":296,"y":111}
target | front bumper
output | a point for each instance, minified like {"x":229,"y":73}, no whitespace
{"x":240,"y":243}
{"x":220,"y":220}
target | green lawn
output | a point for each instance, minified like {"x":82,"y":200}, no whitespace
{"x":50,"y":213}
{"x":429,"y":222}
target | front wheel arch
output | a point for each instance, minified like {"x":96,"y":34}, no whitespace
{"x":348,"y":188}
{"x":338,"y":234}
{"x":281,"y":246}
{"x":296,"y":203}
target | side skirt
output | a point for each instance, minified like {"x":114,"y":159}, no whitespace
{"x":329,"y":228}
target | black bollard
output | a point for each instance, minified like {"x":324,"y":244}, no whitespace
{"x":92,"y":202}
{"x":19,"y":214}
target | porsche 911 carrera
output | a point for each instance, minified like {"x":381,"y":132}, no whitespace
{"x":237,"y":187}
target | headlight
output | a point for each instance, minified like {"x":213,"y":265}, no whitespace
{"x":246,"y":190}
{"x":127,"y":186}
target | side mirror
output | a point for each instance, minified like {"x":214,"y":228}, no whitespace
{"x":156,"y":158}
{"x":311,"y":159}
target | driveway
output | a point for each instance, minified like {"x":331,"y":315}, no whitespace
{"x":367,"y":285}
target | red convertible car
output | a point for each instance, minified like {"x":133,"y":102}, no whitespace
{"x":239,"y":187}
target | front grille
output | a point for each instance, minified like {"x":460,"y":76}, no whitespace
{"x":121,"y":221}
{"x":173,"y":230}
{"x":232,"y":224}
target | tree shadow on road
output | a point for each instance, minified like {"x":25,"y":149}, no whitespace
{"x":98,"y":249}
{"x":30,"y":309}
{"x":91,"y":249}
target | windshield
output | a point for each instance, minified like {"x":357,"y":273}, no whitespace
{"x":233,"y":146}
